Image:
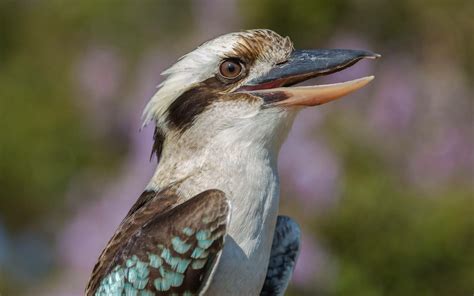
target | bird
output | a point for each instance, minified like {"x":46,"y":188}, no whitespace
{"x":207,"y":223}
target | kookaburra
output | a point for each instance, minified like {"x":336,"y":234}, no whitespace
{"x":207,"y":223}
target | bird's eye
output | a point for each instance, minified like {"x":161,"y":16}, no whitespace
{"x":230,"y":68}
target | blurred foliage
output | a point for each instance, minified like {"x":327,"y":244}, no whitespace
{"x":293,"y":20}
{"x":417,"y":26}
{"x":42,"y":144}
{"x":390,"y":239}
{"x":401,"y":246}
{"x":387,"y":236}
{"x":44,"y":141}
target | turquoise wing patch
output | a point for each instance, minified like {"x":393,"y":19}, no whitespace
{"x":173,"y":253}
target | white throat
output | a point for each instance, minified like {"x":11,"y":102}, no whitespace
{"x":240,"y":160}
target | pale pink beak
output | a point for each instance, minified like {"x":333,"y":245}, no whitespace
{"x":317,"y":94}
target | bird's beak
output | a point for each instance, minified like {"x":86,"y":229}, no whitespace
{"x":274,"y":89}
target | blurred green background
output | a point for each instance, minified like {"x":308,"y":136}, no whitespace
{"x":381,"y":182}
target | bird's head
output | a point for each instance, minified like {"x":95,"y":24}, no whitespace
{"x":237,"y":87}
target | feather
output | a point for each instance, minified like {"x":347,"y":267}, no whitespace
{"x":285,"y":250}
{"x":163,"y":247}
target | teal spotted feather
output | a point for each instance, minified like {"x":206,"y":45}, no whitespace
{"x":163,"y":248}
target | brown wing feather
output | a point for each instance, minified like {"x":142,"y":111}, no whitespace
{"x":132,"y":221}
{"x":185,"y":239}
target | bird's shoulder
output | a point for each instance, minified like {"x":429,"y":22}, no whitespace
{"x":163,"y":246}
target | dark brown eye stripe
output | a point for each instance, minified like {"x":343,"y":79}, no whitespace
{"x":183,"y":110}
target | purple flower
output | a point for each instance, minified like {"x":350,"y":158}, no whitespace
{"x":435,"y":162}
{"x":307,"y":166}
{"x":215,"y":17}
{"x":99,"y":72}
{"x":395,"y":95}
{"x":314,"y":266}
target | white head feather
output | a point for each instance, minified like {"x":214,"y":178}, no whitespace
{"x":203,"y":63}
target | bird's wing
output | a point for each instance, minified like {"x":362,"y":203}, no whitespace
{"x":164,"y":248}
{"x":148,"y":196}
{"x":285,"y":250}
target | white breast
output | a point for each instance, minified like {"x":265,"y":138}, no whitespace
{"x":248,"y":176}
{"x":253,"y":189}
